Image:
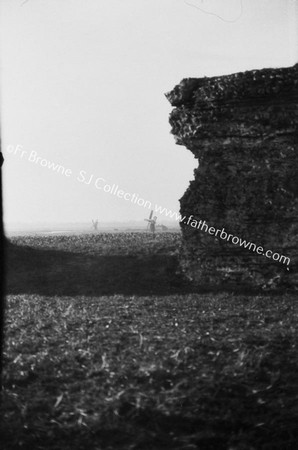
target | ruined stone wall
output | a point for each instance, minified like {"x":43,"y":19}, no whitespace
{"x":243,"y":129}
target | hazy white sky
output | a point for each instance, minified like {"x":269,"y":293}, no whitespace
{"x":83,"y":83}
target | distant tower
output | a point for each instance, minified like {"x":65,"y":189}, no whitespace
{"x":151,"y":223}
{"x":95,"y":224}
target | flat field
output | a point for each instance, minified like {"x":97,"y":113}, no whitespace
{"x":107,"y":348}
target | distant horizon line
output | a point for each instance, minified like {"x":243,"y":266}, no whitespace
{"x":77,"y":223}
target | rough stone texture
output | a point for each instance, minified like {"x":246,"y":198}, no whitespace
{"x":243,"y":129}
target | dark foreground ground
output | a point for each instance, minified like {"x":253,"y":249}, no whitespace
{"x":107,"y":349}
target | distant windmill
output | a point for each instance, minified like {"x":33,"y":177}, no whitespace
{"x":151,"y":223}
{"x":95,"y":224}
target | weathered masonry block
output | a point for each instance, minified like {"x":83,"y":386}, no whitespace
{"x":243,"y":129}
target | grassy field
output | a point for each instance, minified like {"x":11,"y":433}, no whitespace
{"x":107,"y":349}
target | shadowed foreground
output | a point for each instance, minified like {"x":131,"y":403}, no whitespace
{"x":102,"y":264}
{"x":181,"y":371}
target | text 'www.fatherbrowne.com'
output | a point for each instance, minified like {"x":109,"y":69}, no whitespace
{"x":222,"y":234}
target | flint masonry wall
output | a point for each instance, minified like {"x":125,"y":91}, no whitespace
{"x":243,"y":129}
